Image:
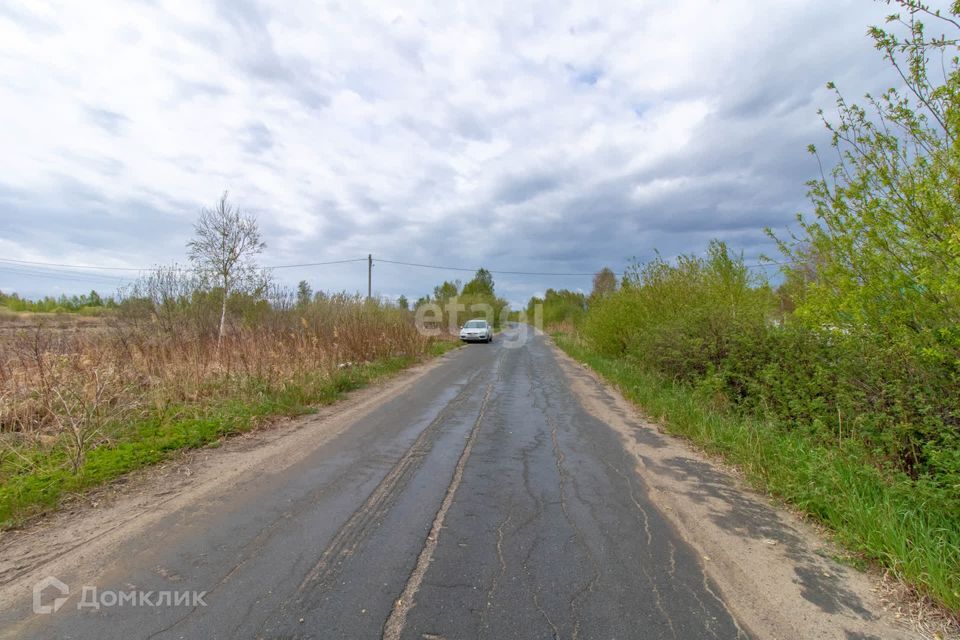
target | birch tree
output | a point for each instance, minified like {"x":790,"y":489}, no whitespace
{"x":225,"y":242}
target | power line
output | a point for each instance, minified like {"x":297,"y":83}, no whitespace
{"x":537,"y":273}
{"x":501,"y":272}
{"x":87,"y":266}
{"x":73,"y":277}
{"x":62,"y":270}
{"x":306,"y":264}
{"x":71,"y":266}
{"x":21,"y":267}
{"x":770,"y":263}
{"x":315,"y":264}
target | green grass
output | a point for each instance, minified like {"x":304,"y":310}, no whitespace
{"x":440,"y":347}
{"x":35,"y":481}
{"x":901,"y":524}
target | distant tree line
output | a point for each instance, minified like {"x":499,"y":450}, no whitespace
{"x":460,"y":302}
{"x":92,"y":301}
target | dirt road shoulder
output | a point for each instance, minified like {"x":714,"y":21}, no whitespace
{"x":79,"y":538}
{"x":776,"y":571}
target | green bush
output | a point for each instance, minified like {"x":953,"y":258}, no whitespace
{"x":557,"y":307}
{"x":908,"y":525}
{"x":708,"y":323}
{"x":89,"y":304}
{"x":681,"y":320}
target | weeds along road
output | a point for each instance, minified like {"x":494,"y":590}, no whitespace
{"x":483,"y":499}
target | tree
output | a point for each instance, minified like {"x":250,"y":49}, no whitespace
{"x":225,"y":241}
{"x":403,"y":303}
{"x":604,"y":283}
{"x":883,"y":239}
{"x":304,"y":294}
{"x":558,"y":306}
{"x":481,"y":285}
{"x":446,"y":290}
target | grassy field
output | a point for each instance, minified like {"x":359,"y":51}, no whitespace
{"x":884,"y":518}
{"x":38,"y":483}
{"x":12,"y":320}
{"x":83,"y":404}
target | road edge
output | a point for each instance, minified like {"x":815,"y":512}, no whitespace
{"x":753,"y":575}
{"x":58,"y":542}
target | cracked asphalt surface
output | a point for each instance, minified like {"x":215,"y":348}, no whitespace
{"x":484,"y":502}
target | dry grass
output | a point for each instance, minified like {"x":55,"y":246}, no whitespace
{"x":565,"y":327}
{"x":927,"y":617}
{"x":71,"y":388}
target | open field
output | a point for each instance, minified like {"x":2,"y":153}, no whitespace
{"x":13,"y":321}
{"x":83,"y":400}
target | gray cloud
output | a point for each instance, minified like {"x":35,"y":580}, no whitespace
{"x":257,"y":138}
{"x":24,"y":17}
{"x":516,"y":189}
{"x":110,"y":121}
{"x":104,"y":165}
{"x":468,"y":125}
{"x":81,"y":226}
{"x":585,"y":76}
{"x":189,"y":89}
{"x":553,"y":139}
{"x":257,"y":56}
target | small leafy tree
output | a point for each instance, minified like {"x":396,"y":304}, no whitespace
{"x":481,"y":285}
{"x":304,"y":294}
{"x":403,"y":303}
{"x":223,"y":247}
{"x":876,"y":271}
{"x":604,"y":283}
{"x":881,"y":256}
{"x":558,"y":307}
{"x":445,"y":291}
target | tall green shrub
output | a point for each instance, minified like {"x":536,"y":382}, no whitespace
{"x":683,"y":319}
{"x":876,"y":269}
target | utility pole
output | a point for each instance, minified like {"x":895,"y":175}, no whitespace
{"x":369,"y":276}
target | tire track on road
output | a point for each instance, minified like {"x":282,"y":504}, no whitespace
{"x":363,"y":520}
{"x":396,"y":621}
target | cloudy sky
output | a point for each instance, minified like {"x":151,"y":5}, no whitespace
{"x":521,"y":136}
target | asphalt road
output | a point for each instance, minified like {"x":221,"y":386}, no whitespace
{"x":484,"y":502}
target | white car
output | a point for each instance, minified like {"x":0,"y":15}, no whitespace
{"x":476,"y":331}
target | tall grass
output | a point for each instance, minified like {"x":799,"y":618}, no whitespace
{"x":80,"y":406}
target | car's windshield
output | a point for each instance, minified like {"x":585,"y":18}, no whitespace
{"x":475,"y":324}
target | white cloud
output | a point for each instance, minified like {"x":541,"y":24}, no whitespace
{"x":530,"y":136}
